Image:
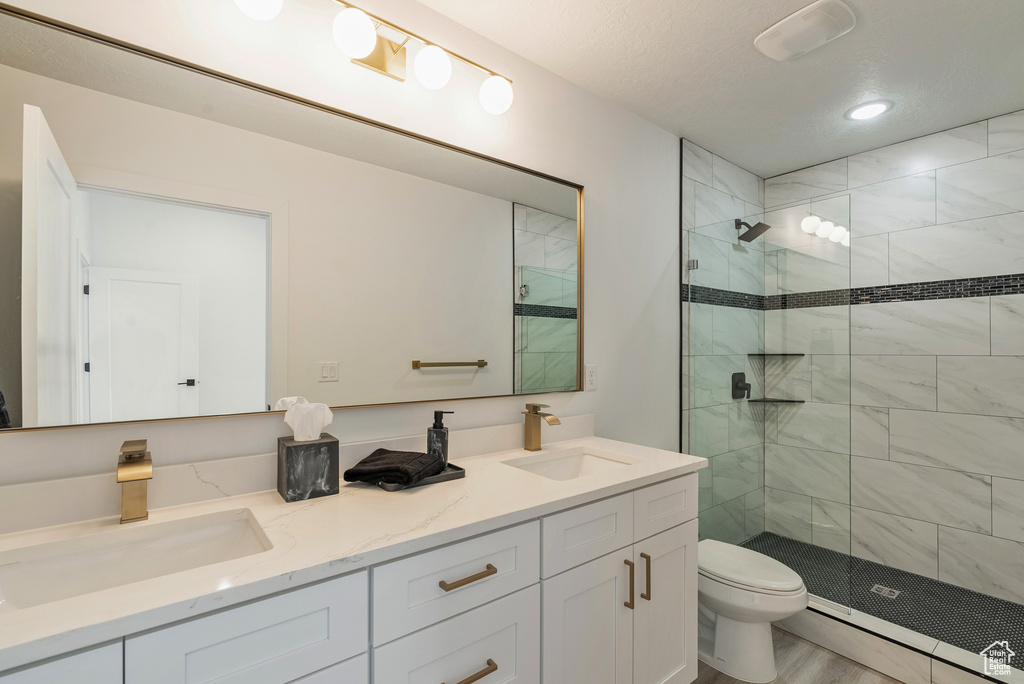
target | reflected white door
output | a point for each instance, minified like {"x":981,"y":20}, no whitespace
{"x":143,"y":345}
{"x":47,"y":339}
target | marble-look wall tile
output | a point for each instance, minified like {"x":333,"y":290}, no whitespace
{"x":553,"y":225}
{"x":984,"y":385}
{"x":697,"y":163}
{"x":786,"y":232}
{"x":689,"y":203}
{"x":1006,"y":133}
{"x":736,"y":331}
{"x":754,"y":506}
{"x":894,"y":381}
{"x":869,"y":261}
{"x":1008,"y":325}
{"x":532,"y":376}
{"x":529,"y":249}
{"x":869,"y":432}
{"x":830,"y":379}
{"x":824,"y":265}
{"x":894,"y":205}
{"x":746,"y":269}
{"x":771,"y":424}
{"x":898,"y":542}
{"x":815,"y":181}
{"x":788,"y":377}
{"x":788,"y":514}
{"x":713,"y":261}
{"x":545,"y":286}
{"x":982,"y":563}
{"x":985,"y":187}
{"x":701,"y":322}
{"x":550,"y":335}
{"x":819,"y":330}
{"x":560,"y":371}
{"x":746,"y":425}
{"x":945,"y":148}
{"x":732,"y":179}
{"x":931,"y":327}
{"x":946,"y":497}
{"x":559,"y":254}
{"x":726,"y":230}
{"x":771,"y":273}
{"x":815,"y":426}
{"x":724,"y":522}
{"x":830,"y":525}
{"x":968,"y":249}
{"x":820,"y":474}
{"x":1008,"y":508}
{"x":711,"y":378}
{"x":988,"y":445}
{"x":737,"y":473}
{"x":709,"y":431}
{"x":715,"y":206}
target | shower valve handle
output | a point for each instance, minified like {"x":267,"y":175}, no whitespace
{"x":740,"y":386}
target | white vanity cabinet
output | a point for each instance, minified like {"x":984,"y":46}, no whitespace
{"x":102,"y":665}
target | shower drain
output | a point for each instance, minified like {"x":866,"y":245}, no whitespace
{"x":885,"y":591}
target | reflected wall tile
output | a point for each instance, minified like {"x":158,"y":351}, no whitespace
{"x":830,"y":525}
{"x":546,"y":223}
{"x":726,"y":230}
{"x":559,"y":255}
{"x":715,"y":206}
{"x":713,"y":258}
{"x":771,"y":273}
{"x":869,"y":432}
{"x":815,"y":426}
{"x":529,"y":249}
{"x":737,"y":473}
{"x":709,"y":431}
{"x":560,"y":370}
{"x":821,"y":474}
{"x":819,"y":330}
{"x":746,"y":270}
{"x":834,"y":208}
{"x":760,"y":191}
{"x":949,"y":326}
{"x":806,"y":183}
{"x":979,"y":444}
{"x":753,"y":503}
{"x":689,"y":204}
{"x":533,"y":372}
{"x":894,"y":381}
{"x":895,"y":541}
{"x":983,"y":385}
{"x":705,"y":483}
{"x":969,"y":249}
{"x":927,"y":153}
{"x":982,"y":563}
{"x":985,"y":187}
{"x":830,"y":379}
{"x":1006,"y":133}
{"x":771,"y":424}
{"x":869,"y":261}
{"x":788,"y":514}
{"x":550,"y":335}
{"x":946,"y":497}
{"x":1008,"y":508}
{"x":893,"y":205}
{"x":786,"y":232}
{"x":735,"y":181}
{"x":570,"y":293}
{"x":710,"y":379}
{"x":701,"y":329}
{"x":519,"y":216}
{"x":724,"y":522}
{"x":746,"y":425}
{"x":737,"y":331}
{"x":1008,"y":325}
{"x":788,"y":377}
{"x":545,"y":287}
{"x":697,"y":163}
{"x":824,"y":265}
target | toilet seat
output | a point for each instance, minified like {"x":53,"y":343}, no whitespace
{"x":746,"y":569}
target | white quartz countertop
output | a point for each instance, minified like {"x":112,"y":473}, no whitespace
{"x":314,"y":540}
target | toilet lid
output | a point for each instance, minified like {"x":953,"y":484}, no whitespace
{"x":742,"y":567}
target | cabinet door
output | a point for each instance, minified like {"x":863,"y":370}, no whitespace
{"x":588,"y":631}
{"x":99,"y":666}
{"x":665,"y":620}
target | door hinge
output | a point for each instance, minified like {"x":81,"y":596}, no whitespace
{"x":85,"y":289}
{"x":86,"y":367}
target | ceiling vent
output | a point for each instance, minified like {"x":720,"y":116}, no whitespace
{"x":806,"y":29}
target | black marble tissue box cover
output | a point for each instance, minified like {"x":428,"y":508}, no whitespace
{"x":306,"y":470}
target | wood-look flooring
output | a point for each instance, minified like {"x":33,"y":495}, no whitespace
{"x":801,"y":662}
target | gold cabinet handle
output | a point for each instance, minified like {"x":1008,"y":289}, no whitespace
{"x":647,"y":596}
{"x":629,"y":604}
{"x":491,"y":570}
{"x":491,"y":667}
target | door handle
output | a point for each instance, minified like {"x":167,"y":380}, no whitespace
{"x":491,"y":570}
{"x":629,"y":604}
{"x":647,"y":596}
{"x":191,"y":382}
{"x":491,"y":667}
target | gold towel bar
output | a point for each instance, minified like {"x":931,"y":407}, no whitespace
{"x":448,"y":364}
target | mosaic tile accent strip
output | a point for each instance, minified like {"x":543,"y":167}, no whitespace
{"x":543,"y":311}
{"x":699,"y":294}
{"x":807,"y":300}
{"x":957,"y":616}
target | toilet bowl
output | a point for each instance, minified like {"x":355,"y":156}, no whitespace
{"x":740,"y":593}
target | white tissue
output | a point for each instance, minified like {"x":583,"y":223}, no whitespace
{"x":285,"y":403}
{"x":307,"y":421}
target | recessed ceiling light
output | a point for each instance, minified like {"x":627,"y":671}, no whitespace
{"x":869,"y":110}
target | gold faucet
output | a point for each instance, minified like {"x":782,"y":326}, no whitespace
{"x":134,"y":469}
{"x":533,"y":416}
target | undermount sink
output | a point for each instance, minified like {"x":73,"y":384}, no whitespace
{"x":569,"y":464}
{"x":35,"y":575}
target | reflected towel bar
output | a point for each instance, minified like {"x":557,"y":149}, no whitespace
{"x":480,"y":363}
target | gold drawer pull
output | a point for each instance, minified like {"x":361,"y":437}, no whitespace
{"x":491,"y":570}
{"x":630,"y":604}
{"x":647,"y":596}
{"x":491,"y":667}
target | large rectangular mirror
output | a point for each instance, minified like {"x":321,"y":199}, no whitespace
{"x":174,"y":243}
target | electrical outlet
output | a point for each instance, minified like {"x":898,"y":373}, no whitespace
{"x":328,"y":371}
{"x":590,"y":377}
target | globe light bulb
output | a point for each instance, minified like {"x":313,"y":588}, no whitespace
{"x":433,"y":67}
{"x":496,"y":95}
{"x":825,"y":229}
{"x":838,"y":234}
{"x":260,"y":10}
{"x":810,"y":224}
{"x":354,"y":33}
{"x":845,"y":242}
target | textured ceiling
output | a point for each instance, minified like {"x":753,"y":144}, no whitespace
{"x":690,"y":66}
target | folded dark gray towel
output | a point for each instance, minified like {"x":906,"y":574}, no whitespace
{"x":404,"y":468}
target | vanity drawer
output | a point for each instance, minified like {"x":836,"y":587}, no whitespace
{"x":407,"y":594}
{"x":353,"y":671}
{"x":273,"y":641}
{"x":664,"y":505}
{"x":501,"y":639}
{"x":97,"y":666}
{"x":585,"y":533}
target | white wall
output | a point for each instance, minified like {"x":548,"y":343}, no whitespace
{"x":629,"y":167}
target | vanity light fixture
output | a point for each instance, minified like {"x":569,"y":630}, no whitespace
{"x":825,"y":229}
{"x":433,"y":67}
{"x":355,"y":33}
{"x":868,"y":110}
{"x":260,"y":10}
{"x":814,"y":225}
{"x":810,"y":224}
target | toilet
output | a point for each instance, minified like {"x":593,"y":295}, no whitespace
{"x":740,"y":593}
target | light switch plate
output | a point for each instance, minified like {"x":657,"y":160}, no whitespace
{"x":590,"y":377}
{"x":328,"y":371}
